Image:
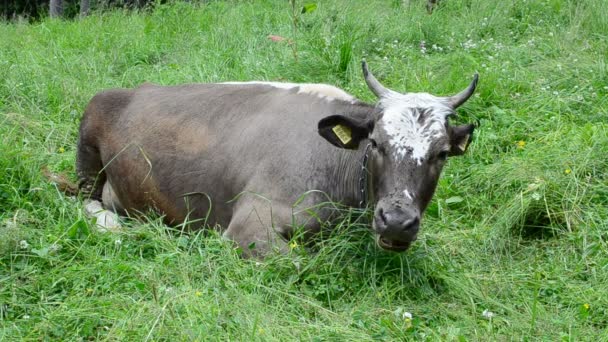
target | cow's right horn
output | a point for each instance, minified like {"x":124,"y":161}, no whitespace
{"x":373,"y":83}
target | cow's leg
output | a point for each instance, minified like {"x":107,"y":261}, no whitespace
{"x":92,"y":183}
{"x":259,"y":226}
{"x":110,"y":200}
{"x":89,"y":170}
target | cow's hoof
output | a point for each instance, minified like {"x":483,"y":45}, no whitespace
{"x":106,"y":220}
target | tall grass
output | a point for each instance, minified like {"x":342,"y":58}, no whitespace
{"x":518,"y":226}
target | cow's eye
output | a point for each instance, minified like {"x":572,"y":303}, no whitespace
{"x":443,"y":155}
{"x":374,"y":143}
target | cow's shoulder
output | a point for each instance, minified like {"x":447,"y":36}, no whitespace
{"x":327,"y":91}
{"x":324,"y":91}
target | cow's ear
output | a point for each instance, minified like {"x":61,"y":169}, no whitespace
{"x":460,"y":137}
{"x":345,"y":132}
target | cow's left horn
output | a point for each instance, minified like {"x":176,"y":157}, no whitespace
{"x":460,"y":98}
{"x":372,"y":82}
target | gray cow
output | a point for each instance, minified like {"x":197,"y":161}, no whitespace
{"x":254,"y":157}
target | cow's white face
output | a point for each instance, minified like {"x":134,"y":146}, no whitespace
{"x":411,"y":140}
{"x":414,"y":123}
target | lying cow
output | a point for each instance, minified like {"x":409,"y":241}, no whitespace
{"x":255,"y":157}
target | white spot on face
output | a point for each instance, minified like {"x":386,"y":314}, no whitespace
{"x":323,"y":91}
{"x":408,"y":195}
{"x":408,"y":136}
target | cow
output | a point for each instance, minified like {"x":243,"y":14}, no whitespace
{"x":257,"y":160}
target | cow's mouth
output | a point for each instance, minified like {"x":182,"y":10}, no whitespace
{"x":393,"y":245}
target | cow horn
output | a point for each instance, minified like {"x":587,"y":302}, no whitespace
{"x":372,"y":82}
{"x":460,"y":98}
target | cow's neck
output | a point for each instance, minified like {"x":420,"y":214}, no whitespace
{"x":346,"y":166}
{"x":349,"y":173}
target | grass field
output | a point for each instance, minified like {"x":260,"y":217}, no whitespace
{"x":513,"y":247}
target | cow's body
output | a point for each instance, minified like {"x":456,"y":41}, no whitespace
{"x":253,"y":158}
{"x":178,"y":149}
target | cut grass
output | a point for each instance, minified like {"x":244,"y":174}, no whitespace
{"x":519,"y":230}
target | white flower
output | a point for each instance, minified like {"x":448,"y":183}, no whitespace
{"x":401,"y":313}
{"x":23,"y":244}
{"x":54,"y":248}
{"x":536,"y":197}
{"x":487,"y":314}
{"x":469,"y":44}
{"x":118,"y":243}
{"x":26,"y":316}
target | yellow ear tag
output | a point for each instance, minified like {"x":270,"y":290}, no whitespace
{"x":343,"y":133}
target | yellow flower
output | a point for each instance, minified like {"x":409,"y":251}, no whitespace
{"x":61,"y":150}
{"x":260,"y":331}
{"x":198,"y":293}
{"x":586,"y":306}
{"x":293,"y":245}
{"x":521,"y":144}
{"x":567,"y":171}
{"x":407,"y":317}
{"x":89,"y":290}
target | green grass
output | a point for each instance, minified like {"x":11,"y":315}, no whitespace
{"x":521,"y":231}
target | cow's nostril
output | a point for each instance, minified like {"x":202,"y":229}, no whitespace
{"x":411,"y":224}
{"x":382,"y":216}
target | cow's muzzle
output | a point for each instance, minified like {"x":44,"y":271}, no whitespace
{"x":396,"y":227}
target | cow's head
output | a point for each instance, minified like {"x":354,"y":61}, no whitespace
{"x":410,"y":141}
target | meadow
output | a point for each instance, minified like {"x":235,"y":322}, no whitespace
{"x":514,"y":245}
